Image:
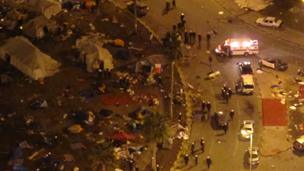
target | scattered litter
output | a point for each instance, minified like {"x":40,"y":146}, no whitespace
{"x":75,"y":129}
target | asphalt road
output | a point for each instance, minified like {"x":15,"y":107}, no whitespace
{"x":227,"y":151}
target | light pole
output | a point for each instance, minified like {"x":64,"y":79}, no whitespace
{"x":172,"y":87}
{"x":250,"y":151}
{"x":135,"y":16}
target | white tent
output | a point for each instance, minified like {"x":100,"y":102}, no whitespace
{"x":27,"y":58}
{"x":48,"y":8}
{"x":93,"y":53}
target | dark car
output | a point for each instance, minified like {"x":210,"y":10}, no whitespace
{"x":141,"y":8}
{"x":274,"y":63}
{"x":298,"y":145}
{"x":245,"y":68}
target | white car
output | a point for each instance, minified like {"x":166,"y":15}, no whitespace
{"x":252,"y":156}
{"x":246,"y":129}
{"x":269,"y":22}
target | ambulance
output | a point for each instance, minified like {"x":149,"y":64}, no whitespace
{"x":238,"y":47}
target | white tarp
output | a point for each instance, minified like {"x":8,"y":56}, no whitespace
{"x":255,"y":5}
{"x":28,"y":58}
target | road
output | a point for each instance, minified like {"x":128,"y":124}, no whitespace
{"x":227,"y":151}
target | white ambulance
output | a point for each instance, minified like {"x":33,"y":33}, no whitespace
{"x":238,"y":47}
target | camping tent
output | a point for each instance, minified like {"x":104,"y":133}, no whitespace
{"x":39,"y":26}
{"x":93,"y":54}
{"x":48,"y":8}
{"x":27,"y":58}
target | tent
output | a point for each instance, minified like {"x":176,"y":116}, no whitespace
{"x":39,"y":26}
{"x":48,"y":8}
{"x":27,"y":58}
{"x":93,"y":54}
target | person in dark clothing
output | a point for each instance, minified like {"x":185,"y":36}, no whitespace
{"x":208,"y":37}
{"x":167,"y":5}
{"x":231,"y":114}
{"x":192,"y":148}
{"x":196,"y":159}
{"x":186,"y":159}
{"x":199,"y":38}
{"x":203,"y":106}
{"x":182,"y":17}
{"x":208,"y":105}
{"x":186,"y":37}
{"x":193,"y":38}
{"x":202,"y":143}
{"x":225,"y":127}
{"x":173,"y":4}
{"x":190,"y":37}
{"x":208,"y":161}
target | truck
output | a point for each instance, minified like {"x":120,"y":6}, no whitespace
{"x":238,"y":47}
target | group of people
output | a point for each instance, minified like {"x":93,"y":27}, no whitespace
{"x":170,"y":5}
{"x":196,"y":157}
{"x":226,"y":93}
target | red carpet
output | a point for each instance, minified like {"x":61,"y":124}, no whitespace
{"x":274,"y":113}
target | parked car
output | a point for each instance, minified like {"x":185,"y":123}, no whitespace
{"x":246,"y":129}
{"x":252,"y":156}
{"x":269,"y":22}
{"x":274,"y":63}
{"x":221,"y":118}
{"x":298,"y":144}
{"x":141,"y":8}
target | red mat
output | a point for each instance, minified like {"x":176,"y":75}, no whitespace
{"x":274,"y":113}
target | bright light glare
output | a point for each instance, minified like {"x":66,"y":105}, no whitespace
{"x":235,"y":44}
{"x":246,"y":44}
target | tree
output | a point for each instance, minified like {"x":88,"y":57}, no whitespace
{"x":102,"y":156}
{"x":155,"y":127}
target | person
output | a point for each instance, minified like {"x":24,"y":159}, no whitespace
{"x":192,"y":148}
{"x":196,"y":159}
{"x":190,"y":37}
{"x":223,"y":91}
{"x":173,"y":4}
{"x":208,"y":161}
{"x":231,"y":114}
{"x":208,"y":106}
{"x":186,"y":159}
{"x":186,"y":37}
{"x":227,"y":97}
{"x":203,"y":105}
{"x":199,"y":38}
{"x":194,"y":38}
{"x":230,"y":92}
{"x":182,"y":17}
{"x":157,"y":167}
{"x":208,"y":37}
{"x":202,"y":142}
{"x":167,"y":5}
{"x":225,"y":128}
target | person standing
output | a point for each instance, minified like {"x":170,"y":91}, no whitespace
{"x":208,"y":161}
{"x":208,"y":105}
{"x":202,"y":143}
{"x":186,"y":159}
{"x":196,"y":159}
{"x":186,"y":37}
{"x":182,"y":17}
{"x":227,"y":97}
{"x":208,"y":38}
{"x":194,"y":38}
{"x":203,"y":106}
{"x":190,"y":37}
{"x":167,"y":5}
{"x":225,"y":128}
{"x":192,"y":148}
{"x":173,"y":4}
{"x":231,"y":114}
{"x":199,"y":38}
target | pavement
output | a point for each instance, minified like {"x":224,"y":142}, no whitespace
{"x":196,"y":67}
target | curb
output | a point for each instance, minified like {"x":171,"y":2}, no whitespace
{"x":184,"y":147}
{"x":139,"y":20}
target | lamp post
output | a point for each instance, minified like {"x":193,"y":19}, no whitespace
{"x":135,"y":16}
{"x":250,"y":152}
